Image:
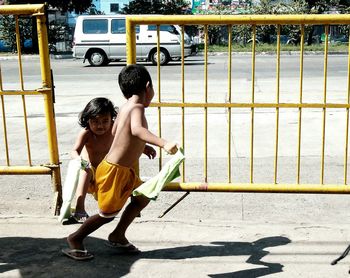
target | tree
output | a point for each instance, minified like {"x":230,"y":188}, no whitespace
{"x":156,"y":7}
{"x":78,"y":6}
{"x":324,"y":6}
{"x":8,"y":30}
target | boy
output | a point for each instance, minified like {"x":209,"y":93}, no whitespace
{"x":115,"y":177}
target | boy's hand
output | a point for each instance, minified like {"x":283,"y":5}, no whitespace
{"x":170,"y":147}
{"x":150,"y":152}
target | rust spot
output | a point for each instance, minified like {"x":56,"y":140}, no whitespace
{"x":203,"y":187}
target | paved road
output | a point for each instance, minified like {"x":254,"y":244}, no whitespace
{"x":207,"y":234}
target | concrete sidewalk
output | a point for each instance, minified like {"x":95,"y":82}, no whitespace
{"x":30,"y":247}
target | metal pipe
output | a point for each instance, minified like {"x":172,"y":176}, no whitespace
{"x":347,"y":124}
{"x":258,"y":187}
{"x":301,"y":74}
{"x":250,"y":105}
{"x":183,"y":176}
{"x":206,"y":38}
{"x":229,"y":76}
{"x":130,"y":41}
{"x":49,"y":109}
{"x":20,"y":68}
{"x":324,"y":101}
{"x":25,"y":170}
{"x":4,"y":121}
{"x":277,"y":99}
{"x":252,"y":108}
{"x":160,"y":160}
{"x":36,"y":9}
{"x":268,"y":19}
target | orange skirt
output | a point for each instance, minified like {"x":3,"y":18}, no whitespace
{"x":114,"y":185}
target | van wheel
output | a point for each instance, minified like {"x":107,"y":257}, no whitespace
{"x":164,"y":57}
{"x":97,"y":58}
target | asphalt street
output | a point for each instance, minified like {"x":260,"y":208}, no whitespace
{"x":207,"y":234}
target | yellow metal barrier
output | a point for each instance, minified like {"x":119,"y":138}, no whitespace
{"x":251,"y":20}
{"x":52,"y":167}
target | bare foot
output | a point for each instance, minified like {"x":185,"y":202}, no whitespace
{"x":73,"y":244}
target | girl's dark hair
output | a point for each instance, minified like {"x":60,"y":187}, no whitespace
{"x":133,"y":80}
{"x":96,"y":106}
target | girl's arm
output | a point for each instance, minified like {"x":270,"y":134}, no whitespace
{"x":79,"y":143}
{"x":150,"y":152}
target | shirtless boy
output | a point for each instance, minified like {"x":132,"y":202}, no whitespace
{"x":115,"y":177}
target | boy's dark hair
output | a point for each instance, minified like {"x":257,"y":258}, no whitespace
{"x":96,"y":106}
{"x":133,"y":79}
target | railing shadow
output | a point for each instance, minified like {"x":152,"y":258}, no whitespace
{"x":36,"y":257}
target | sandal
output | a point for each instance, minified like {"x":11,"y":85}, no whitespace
{"x":80,"y":217}
{"x":78,"y":255}
{"x":76,"y":218}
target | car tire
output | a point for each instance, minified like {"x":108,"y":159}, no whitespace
{"x":164,"y":57}
{"x":97,"y":58}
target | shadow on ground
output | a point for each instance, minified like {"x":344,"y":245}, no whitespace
{"x":42,"y":257}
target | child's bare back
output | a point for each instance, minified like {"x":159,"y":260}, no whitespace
{"x":127,"y":146}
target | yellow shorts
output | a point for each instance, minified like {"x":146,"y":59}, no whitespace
{"x":114,"y":185}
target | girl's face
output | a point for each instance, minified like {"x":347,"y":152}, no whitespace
{"x":100,"y":124}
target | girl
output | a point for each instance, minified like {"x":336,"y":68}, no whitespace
{"x":92,"y":145}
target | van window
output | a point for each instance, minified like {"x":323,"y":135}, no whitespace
{"x":95,"y":26}
{"x":118,"y":26}
{"x":166,"y":28}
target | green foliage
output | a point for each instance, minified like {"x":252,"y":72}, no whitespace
{"x":155,"y":7}
{"x":8,"y":30}
{"x":57,"y":31}
{"x":78,"y":6}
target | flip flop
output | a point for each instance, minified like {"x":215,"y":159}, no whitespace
{"x":78,"y":255}
{"x":80,"y":217}
{"x":128,"y":248}
{"x":69,"y":221}
{"x":77,"y":218}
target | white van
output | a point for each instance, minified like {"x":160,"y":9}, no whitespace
{"x":101,"y":39}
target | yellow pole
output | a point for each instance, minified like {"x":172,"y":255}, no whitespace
{"x":49,"y":109}
{"x":20,"y":68}
{"x":301,"y":74}
{"x":296,"y":19}
{"x":4,"y":122}
{"x":324,"y":101}
{"x":347,"y":124}
{"x":277,"y":98}
{"x":206,"y":38}
{"x":229,"y":75}
{"x":252,"y":108}
{"x":130,"y":41}
{"x":183,"y":97}
{"x":159,"y":98}
{"x":258,"y":187}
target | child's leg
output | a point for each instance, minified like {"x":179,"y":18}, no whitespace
{"x":75,"y":240}
{"x":84,"y":181}
{"x":131,"y":211}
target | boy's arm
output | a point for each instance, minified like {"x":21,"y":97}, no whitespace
{"x":79,"y":143}
{"x":138,"y":130}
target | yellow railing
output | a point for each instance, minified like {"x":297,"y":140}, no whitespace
{"x":52,"y":167}
{"x":253,"y":21}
